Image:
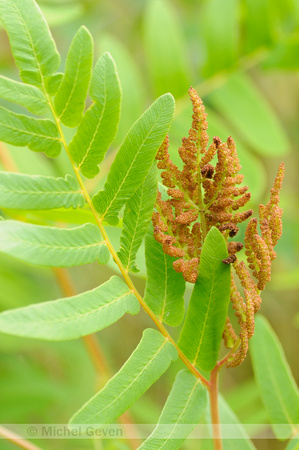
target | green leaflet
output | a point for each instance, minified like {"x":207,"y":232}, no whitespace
{"x":134,"y":158}
{"x":99,"y":125}
{"x":148,"y":362}
{"x":246,"y":108}
{"x":201,"y":336}
{"x":30,"y":97}
{"x":40,"y":135}
{"x":165,"y":48}
{"x":131,"y":81}
{"x":137,"y":215}
{"x":52,"y":83}
{"x":277,"y":387}
{"x":260,"y":24}
{"x":18,"y":191}
{"x":181,"y":413}
{"x":165,"y":288}
{"x":70,"y":98}
{"x":284,"y":55}
{"x":32,"y":45}
{"x":72,"y":317}
{"x":52,"y":247}
{"x":219,"y":26}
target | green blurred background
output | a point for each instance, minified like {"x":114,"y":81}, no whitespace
{"x":243,"y":58}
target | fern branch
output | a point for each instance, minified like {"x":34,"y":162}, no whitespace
{"x":114,"y":254}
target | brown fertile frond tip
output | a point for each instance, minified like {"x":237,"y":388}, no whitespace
{"x":208,"y":192}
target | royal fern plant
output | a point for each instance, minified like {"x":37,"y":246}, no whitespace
{"x":189,"y":221}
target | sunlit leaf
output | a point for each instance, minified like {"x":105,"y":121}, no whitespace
{"x":284,"y":55}
{"x":137,"y":216}
{"x":40,"y":135}
{"x":72,"y":317}
{"x":148,"y":362}
{"x":31,"y":42}
{"x":135,"y":158}
{"x":131,"y":81}
{"x":219,"y":29}
{"x":165,"y":288}
{"x":51,"y":246}
{"x":99,"y":125}
{"x":274,"y":378}
{"x":259,"y":20}
{"x":181,"y":413}
{"x":19,"y":191}
{"x":202,"y":333}
{"x":28,"y":96}
{"x":165,"y":49}
{"x":240,"y":102}
{"x":70,"y":98}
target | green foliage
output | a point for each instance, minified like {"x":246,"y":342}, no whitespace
{"x":165,"y":288}
{"x":99,"y":125}
{"x":147,"y":363}
{"x":70,"y":97}
{"x":51,"y":246}
{"x":73,"y":317}
{"x":211,"y":44}
{"x":165,"y":49}
{"x":201,"y":336}
{"x":181,"y":413}
{"x":31,"y":42}
{"x":25,"y":95}
{"x":278,"y":389}
{"x":19,"y":191}
{"x":134,"y":158}
{"x":40,"y":135}
{"x":240,"y":101}
{"x":137,"y":215}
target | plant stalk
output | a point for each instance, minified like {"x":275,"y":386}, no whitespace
{"x":215,"y":419}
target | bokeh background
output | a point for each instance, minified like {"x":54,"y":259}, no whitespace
{"x":242,"y":56}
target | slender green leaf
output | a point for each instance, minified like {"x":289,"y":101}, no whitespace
{"x":28,"y":96}
{"x":137,"y":215}
{"x":148,"y":362}
{"x":181,"y":413}
{"x":31,"y":42}
{"x":40,"y":135}
{"x":99,"y":125}
{"x":274,"y":378}
{"x":70,"y":98}
{"x":131,"y":81}
{"x":135,"y":158}
{"x":165,"y":49}
{"x":219,"y":26}
{"x":284,"y":55}
{"x":259,"y":20}
{"x":246,"y":108}
{"x":52,"y":83}
{"x":52,"y":247}
{"x":73,"y":317}
{"x":201,"y":336}
{"x":294,"y":443}
{"x":165,"y":288}
{"x":19,"y":191}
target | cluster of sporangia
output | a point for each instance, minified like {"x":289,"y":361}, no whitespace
{"x":202,"y":195}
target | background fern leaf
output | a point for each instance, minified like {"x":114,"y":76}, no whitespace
{"x":99,"y":124}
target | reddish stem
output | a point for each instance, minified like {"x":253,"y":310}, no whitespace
{"x":215,"y":420}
